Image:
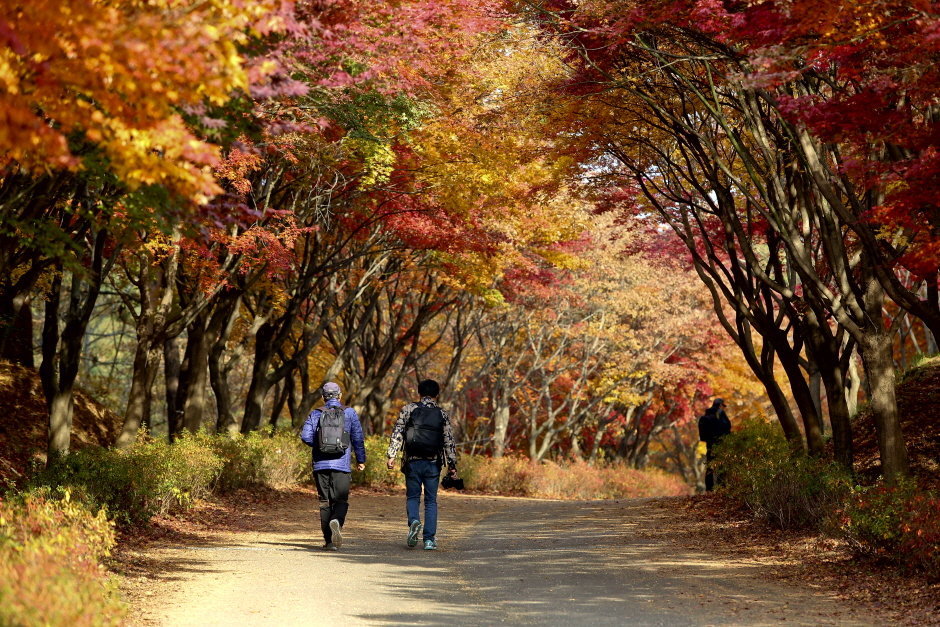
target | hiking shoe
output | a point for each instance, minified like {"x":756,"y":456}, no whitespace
{"x":413,"y":532}
{"x":430,"y":545}
{"x":337,"y":533}
{"x":329,"y":546}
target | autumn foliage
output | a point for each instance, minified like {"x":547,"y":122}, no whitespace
{"x":120,"y":77}
{"x":585,"y":219}
{"x":50,"y":552}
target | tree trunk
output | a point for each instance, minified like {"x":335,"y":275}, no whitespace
{"x":300,"y":401}
{"x":839,"y":416}
{"x":172,"y":368}
{"x":932,"y":348}
{"x":62,"y":355}
{"x":877,"y":358}
{"x":226,"y":422}
{"x":576,"y":452}
{"x":218,"y":372}
{"x":500,"y":426}
{"x":815,"y":390}
{"x":259,"y":386}
{"x":193,"y":399}
{"x":60,"y":423}
{"x":853,"y":383}
{"x":824,"y":348}
{"x":281,"y":393}
{"x":804,"y":401}
{"x":763,"y":368}
{"x":137,"y":414}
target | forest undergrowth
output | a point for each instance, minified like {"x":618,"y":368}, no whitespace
{"x":96,"y":497}
{"x":867,"y":541}
{"x":59,"y":525}
{"x":895,"y":523}
{"x":720,"y":524}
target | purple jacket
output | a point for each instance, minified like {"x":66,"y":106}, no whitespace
{"x":321,"y":462}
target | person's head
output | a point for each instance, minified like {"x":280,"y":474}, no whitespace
{"x":719,"y":403}
{"x":330,"y":390}
{"x":429,"y":388}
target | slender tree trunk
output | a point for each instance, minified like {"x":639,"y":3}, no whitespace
{"x":281,"y":392}
{"x":62,"y":355}
{"x":902,"y":348}
{"x":576,"y":452}
{"x":877,"y":349}
{"x":193,"y":400}
{"x":839,"y":415}
{"x":226,"y":422}
{"x":300,"y":401}
{"x":815,"y":389}
{"x":259,"y":386}
{"x":763,"y":368}
{"x":877,"y":358}
{"x":804,"y":401}
{"x":853,"y":384}
{"x":500,"y":426}
{"x":172,"y":367}
{"x":218,"y":372}
{"x":534,"y":453}
{"x":137,"y":415}
{"x":599,"y":434}
{"x":60,"y":423}
{"x":151,"y":335}
{"x":825,"y":348}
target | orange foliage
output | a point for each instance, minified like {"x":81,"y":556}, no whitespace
{"x":118,"y":75}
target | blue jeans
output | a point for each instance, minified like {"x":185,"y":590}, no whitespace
{"x":425,"y":473}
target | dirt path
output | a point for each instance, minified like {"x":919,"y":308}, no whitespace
{"x":501,"y":561}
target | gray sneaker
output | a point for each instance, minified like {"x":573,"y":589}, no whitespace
{"x":430,"y":545}
{"x":337,"y":533}
{"x":413,"y":532}
{"x":329,"y":546}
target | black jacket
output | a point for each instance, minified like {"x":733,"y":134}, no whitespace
{"x":713,"y":426}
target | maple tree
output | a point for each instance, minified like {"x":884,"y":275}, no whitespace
{"x":590,"y":358}
{"x":746,"y":144}
{"x":95,"y":131}
{"x":412,"y":181}
{"x":297,"y":191}
{"x":343,"y":77}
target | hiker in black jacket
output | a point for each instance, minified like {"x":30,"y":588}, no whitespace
{"x":424,"y":434}
{"x":713,"y":426}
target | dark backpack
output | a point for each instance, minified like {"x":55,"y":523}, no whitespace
{"x":708,"y":428}
{"x":424,"y":433}
{"x":332,"y":437}
{"x":711,"y":428}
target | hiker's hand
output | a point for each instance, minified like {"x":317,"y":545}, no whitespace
{"x":360,"y":467}
{"x":390,"y":464}
{"x":453,"y":473}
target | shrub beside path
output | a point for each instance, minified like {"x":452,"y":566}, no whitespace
{"x":502,"y":561}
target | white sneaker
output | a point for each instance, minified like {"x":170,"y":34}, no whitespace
{"x":337,"y":532}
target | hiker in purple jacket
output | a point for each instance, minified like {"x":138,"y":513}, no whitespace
{"x":333,"y":471}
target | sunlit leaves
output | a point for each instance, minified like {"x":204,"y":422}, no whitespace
{"x":118,"y":75}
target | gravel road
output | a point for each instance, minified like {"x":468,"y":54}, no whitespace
{"x":502,"y":561}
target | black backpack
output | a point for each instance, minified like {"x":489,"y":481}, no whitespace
{"x":707,"y":427}
{"x":424,"y":433}
{"x":711,"y":428}
{"x":332,"y":437}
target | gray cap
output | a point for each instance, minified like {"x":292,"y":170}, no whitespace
{"x":330,"y":390}
{"x":718,"y":401}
